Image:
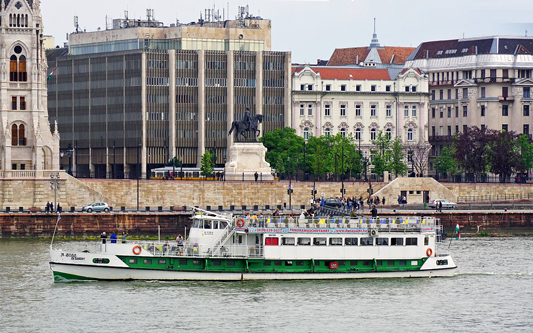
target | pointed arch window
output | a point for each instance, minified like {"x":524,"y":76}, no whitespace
{"x":17,"y":66}
{"x":18,"y":135}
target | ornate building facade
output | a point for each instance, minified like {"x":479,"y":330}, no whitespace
{"x":26,"y":141}
{"x":360,"y":101}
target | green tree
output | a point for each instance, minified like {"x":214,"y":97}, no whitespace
{"x":381,"y":153}
{"x":445,"y":163}
{"x":284,"y":143}
{"x":175,"y":162}
{"x":396,"y":164}
{"x":503,"y":154}
{"x":278,"y":165}
{"x":317,"y":155}
{"x":207,"y":166}
{"x":525,"y":147}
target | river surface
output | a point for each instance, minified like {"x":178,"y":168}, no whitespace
{"x":492,"y":292}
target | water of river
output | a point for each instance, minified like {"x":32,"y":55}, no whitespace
{"x":492,"y":291}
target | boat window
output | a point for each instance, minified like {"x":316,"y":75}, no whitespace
{"x":133,"y":261}
{"x":162,"y":262}
{"x":271,"y":241}
{"x":299,"y":263}
{"x":335,"y":241}
{"x":411,"y":241}
{"x":207,"y":224}
{"x":230,"y":263}
{"x":304,"y":241}
{"x":147,"y":261}
{"x":183,"y":262}
{"x":287,"y":241}
{"x":426,"y":240}
{"x":396,"y":241}
{"x":342,"y":263}
{"x":382,"y":241}
{"x":366,"y":263}
{"x":319,"y":241}
{"x":390,"y":263}
{"x":240,"y":239}
{"x":196,"y":262}
{"x":379,"y":263}
{"x":277,"y":263}
{"x":402,"y":263}
{"x":101,"y":261}
{"x":367,"y":241}
{"x":350,"y":241}
{"x":196,"y":223}
{"x":257,"y":239}
{"x":215,"y":224}
{"x":353,"y":263}
{"x":266,"y":263}
{"x":223,"y":225}
{"x":288,"y":263}
{"x":443,"y":262}
{"x":217,"y":263}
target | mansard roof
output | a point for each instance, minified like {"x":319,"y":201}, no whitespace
{"x":356,"y":55}
{"x":472,"y":46}
{"x":346,"y":73}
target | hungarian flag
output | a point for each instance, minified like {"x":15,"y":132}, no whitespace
{"x":457,"y":233}
{"x":52,"y":73}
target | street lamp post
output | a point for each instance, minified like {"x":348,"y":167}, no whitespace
{"x":54,"y":186}
{"x":304,"y":163}
{"x":336,"y":178}
{"x":181,"y":168}
{"x":138,"y":173}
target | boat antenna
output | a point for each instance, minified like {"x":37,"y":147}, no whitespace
{"x":54,"y":234}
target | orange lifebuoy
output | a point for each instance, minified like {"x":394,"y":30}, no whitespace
{"x":429,"y":252}
{"x":240,"y":223}
{"x":137,"y":250}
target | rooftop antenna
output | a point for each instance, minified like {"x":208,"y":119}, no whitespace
{"x":526,"y":32}
{"x":76,"y":25}
{"x":126,"y":14}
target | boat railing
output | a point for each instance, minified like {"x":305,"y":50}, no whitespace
{"x":248,"y":251}
{"x":397,"y":223}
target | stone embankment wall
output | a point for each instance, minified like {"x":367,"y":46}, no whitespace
{"x":17,"y":225}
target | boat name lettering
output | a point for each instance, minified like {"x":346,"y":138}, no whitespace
{"x":72,"y":256}
{"x":208,"y":233}
{"x":428,"y":229}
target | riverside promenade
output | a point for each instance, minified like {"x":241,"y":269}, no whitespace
{"x":497,"y":222}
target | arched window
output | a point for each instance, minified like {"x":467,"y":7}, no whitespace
{"x":388,"y":133}
{"x":373,"y":134}
{"x":17,"y":66}
{"x":13,"y":68}
{"x":22,"y":135}
{"x":343,"y":132}
{"x":327,"y":132}
{"x":358,"y":134}
{"x":410,"y":134}
{"x":23,"y":75}
{"x":18,"y":135}
{"x":306,"y":133}
{"x":14,"y":135}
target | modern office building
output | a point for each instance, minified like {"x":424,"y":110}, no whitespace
{"x":27,"y":144}
{"x":483,"y":82}
{"x":136,"y":95}
{"x":360,"y":101}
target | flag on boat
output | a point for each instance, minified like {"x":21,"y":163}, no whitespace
{"x":52,"y":73}
{"x":58,"y":217}
{"x":457,"y":232}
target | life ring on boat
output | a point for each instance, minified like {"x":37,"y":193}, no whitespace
{"x":137,"y":250}
{"x":240,"y":223}
{"x":429,"y":252}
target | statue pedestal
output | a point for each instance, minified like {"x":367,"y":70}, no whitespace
{"x":245,"y":159}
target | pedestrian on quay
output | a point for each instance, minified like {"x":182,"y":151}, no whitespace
{"x":256,"y":176}
{"x":103,"y":237}
{"x":374,"y":211}
{"x":383,"y":200}
{"x":51,"y":207}
{"x":47,"y":207}
{"x":58,"y":208}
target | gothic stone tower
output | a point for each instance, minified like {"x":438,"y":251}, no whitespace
{"x":26,"y":141}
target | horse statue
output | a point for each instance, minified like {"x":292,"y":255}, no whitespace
{"x":241,"y":126}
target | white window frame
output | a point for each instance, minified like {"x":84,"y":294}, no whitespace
{"x":388,"y":110}
{"x":343,"y":110}
{"x":327,"y":110}
{"x":373,"y":110}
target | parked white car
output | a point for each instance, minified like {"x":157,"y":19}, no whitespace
{"x":97,"y":207}
{"x":445,"y":203}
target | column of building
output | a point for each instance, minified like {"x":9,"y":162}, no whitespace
{"x":201,"y":107}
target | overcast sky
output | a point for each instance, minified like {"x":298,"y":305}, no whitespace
{"x":313,"y":29}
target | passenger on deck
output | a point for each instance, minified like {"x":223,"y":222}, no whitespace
{"x":124,"y":237}
{"x":374,"y":211}
{"x":302,"y":215}
{"x":165,"y":247}
{"x":103,"y":237}
{"x":276,"y":213}
{"x":113,"y":238}
{"x":179,"y":240}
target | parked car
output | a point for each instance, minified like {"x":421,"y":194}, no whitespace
{"x":332,"y":202}
{"x":97,"y":207}
{"x":445,"y":203}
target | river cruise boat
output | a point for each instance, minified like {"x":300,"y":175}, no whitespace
{"x":227,"y":247}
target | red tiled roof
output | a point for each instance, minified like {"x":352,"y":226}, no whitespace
{"x":348,"y":56}
{"x":344,"y":73}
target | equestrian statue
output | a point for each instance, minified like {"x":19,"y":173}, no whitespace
{"x":246,"y":124}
